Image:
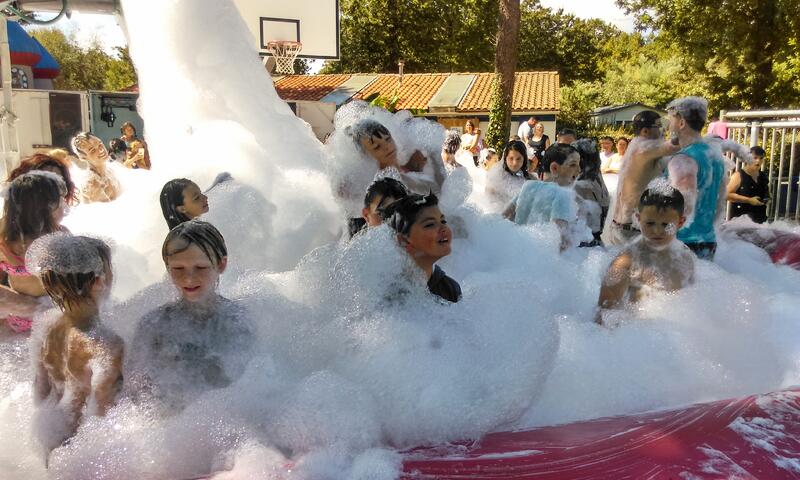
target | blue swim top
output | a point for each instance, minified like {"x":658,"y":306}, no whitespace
{"x":710,"y":172}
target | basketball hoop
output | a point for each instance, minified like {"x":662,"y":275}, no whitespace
{"x":284,"y":51}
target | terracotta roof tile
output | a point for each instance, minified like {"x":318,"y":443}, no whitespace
{"x":416,"y":91}
{"x":308,"y":87}
{"x":532,"y":91}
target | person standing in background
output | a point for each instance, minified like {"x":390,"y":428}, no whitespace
{"x":137,"y":156}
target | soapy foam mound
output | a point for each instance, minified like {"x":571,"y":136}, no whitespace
{"x":353,"y":358}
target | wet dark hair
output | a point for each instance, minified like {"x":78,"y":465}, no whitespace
{"x":29,"y":205}
{"x":452,"y":142}
{"x":662,"y":197}
{"x":68,"y":290}
{"x":367,"y":128}
{"x":402,"y":214}
{"x":196,"y":232}
{"x":128,"y":124}
{"x":558,"y":153}
{"x":385,"y":187}
{"x":607,"y":137}
{"x":645,"y":119}
{"x":758,"y":152}
{"x":117,"y":149}
{"x":40,"y":161}
{"x":520,"y":148}
{"x":567,"y":131}
{"x":590,"y":159}
{"x":171,"y":198}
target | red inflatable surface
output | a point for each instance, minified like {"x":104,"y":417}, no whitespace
{"x":755,"y":437}
{"x":783,"y":247}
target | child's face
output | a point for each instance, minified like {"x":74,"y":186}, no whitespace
{"x":194,"y":202}
{"x":194,"y":274}
{"x":429,"y":236}
{"x":514,"y":161}
{"x":93,"y":150}
{"x":659,"y":226}
{"x":490,"y":161}
{"x":382,"y":149}
{"x":372,"y":214}
{"x":606,"y":145}
{"x":567,"y":172}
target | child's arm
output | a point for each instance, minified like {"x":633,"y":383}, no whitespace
{"x":616,"y":282}
{"x":13,"y":303}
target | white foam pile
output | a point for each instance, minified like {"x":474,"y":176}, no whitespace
{"x":353,"y":358}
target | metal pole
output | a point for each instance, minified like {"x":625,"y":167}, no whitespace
{"x":10,"y":152}
{"x":772,"y":205}
{"x":780,"y":174}
{"x":791,"y":170}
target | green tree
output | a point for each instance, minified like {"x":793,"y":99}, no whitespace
{"x":429,"y":35}
{"x":553,"y":40}
{"x":505,"y":64}
{"x":742,"y":53}
{"x":88,"y":68}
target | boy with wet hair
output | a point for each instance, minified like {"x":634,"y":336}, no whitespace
{"x":79,"y":369}
{"x":423,"y":233}
{"x":654,"y":260}
{"x":381,"y":194}
{"x":554,"y":199}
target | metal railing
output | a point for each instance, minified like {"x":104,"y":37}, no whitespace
{"x":778,"y":133}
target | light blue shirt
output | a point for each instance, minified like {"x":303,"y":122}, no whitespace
{"x":544,"y":202}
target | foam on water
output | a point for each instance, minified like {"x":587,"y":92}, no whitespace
{"x":353,"y":358}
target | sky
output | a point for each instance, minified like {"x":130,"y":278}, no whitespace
{"x":104,"y":28}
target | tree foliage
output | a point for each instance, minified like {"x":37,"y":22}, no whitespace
{"x":429,"y":35}
{"x":741,"y":54}
{"x":88,"y":68}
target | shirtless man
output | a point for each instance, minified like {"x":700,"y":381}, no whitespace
{"x":642,"y":163}
{"x":101,"y":184}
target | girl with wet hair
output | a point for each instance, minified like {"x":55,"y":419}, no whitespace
{"x":101,"y":184}
{"x":48,"y":163}
{"x":423,"y":233}
{"x":79,"y":367}
{"x":199,"y":342}
{"x":35,"y":205}
{"x":505,"y":179}
{"x":181,"y":201}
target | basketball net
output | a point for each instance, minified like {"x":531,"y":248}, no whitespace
{"x":284,"y":51}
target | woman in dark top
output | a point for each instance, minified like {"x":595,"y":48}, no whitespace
{"x":748,"y":189}
{"x":539,"y":142}
{"x":422,"y":231}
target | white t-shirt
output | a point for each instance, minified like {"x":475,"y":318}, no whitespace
{"x":524,"y":130}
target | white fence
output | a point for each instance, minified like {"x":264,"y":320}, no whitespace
{"x":777,"y":132}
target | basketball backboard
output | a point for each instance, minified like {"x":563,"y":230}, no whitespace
{"x":315,"y":23}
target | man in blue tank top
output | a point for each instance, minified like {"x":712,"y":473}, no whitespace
{"x":698,"y":171}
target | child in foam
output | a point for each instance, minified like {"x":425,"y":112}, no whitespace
{"x":35,"y":205}
{"x":380,"y":195}
{"x":50,"y":162}
{"x":553,"y":200}
{"x":199,"y":342}
{"x":506,"y":178}
{"x":591,"y":188}
{"x":101,"y":185}
{"x":422,"y":231}
{"x":655,"y":259}
{"x":79,"y":368}
{"x":181,"y":201}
